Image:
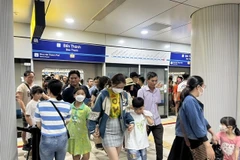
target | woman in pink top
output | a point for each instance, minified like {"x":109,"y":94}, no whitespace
{"x":229,"y":138}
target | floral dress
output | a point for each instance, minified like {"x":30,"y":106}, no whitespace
{"x":79,"y":143}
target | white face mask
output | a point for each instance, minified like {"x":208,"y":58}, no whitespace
{"x":201,"y":93}
{"x":223,"y":128}
{"x":80,"y":98}
{"x":117,"y":90}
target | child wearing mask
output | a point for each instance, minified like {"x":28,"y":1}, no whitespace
{"x":229,"y":138}
{"x":136,"y":141}
{"x":79,"y":144}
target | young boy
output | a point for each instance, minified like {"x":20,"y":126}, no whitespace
{"x":36,"y":93}
{"x":136,"y":141}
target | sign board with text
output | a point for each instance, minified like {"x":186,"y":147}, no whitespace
{"x":180,"y":59}
{"x":67,"y":51}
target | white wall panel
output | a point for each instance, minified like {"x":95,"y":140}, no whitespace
{"x":22,"y":48}
{"x":215,"y":49}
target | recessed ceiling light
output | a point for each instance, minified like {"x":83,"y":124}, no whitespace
{"x":59,"y":34}
{"x":167,"y":46}
{"x":144,"y":32}
{"x":69,"y":20}
{"x":121,"y":41}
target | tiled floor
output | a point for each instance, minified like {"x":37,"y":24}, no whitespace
{"x":101,"y":155}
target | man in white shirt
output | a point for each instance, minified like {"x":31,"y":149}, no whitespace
{"x":183,"y":84}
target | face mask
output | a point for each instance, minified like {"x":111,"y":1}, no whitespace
{"x":80,"y":98}
{"x":201,"y":93}
{"x":223,"y":128}
{"x":117,"y":90}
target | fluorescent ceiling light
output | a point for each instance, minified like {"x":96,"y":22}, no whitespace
{"x":121,"y":41}
{"x":167,"y":46}
{"x":59,"y":34}
{"x":144,"y":32}
{"x":69,"y":20}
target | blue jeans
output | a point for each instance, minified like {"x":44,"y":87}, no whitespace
{"x":137,"y":154}
{"x":53,"y":147}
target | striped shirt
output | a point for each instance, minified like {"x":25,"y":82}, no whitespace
{"x":52,"y":124}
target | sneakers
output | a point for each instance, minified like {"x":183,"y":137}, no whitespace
{"x":26,"y":147}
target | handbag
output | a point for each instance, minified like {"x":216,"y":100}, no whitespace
{"x":218,"y":152}
{"x":61,"y":118}
{"x":198,"y":153}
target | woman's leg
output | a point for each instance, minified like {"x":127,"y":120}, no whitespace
{"x":112,"y":152}
{"x":77,"y":157}
{"x":86,"y":156}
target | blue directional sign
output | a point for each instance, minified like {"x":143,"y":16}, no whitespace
{"x":180,"y":59}
{"x":67,"y":51}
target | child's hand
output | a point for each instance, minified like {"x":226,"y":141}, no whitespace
{"x":130,"y":127}
{"x":96,"y":134}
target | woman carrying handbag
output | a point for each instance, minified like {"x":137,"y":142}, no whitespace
{"x":191,"y":142}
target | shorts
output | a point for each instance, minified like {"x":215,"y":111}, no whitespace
{"x":25,"y":124}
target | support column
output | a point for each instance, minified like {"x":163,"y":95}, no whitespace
{"x":215,"y":57}
{"x":8,"y":132}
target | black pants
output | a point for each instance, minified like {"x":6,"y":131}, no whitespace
{"x":157,"y":132}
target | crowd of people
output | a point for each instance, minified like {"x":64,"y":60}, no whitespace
{"x":119,"y":113}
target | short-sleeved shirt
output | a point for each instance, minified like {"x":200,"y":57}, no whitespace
{"x":137,"y":139}
{"x":151,"y":101}
{"x":22,"y":88}
{"x":228,"y":146}
{"x":182,"y":85}
{"x":52,"y":123}
{"x":30,"y":110}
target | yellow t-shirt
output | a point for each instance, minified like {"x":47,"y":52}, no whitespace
{"x":115,"y":110}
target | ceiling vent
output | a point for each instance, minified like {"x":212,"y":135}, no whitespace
{"x":156,"y":27}
{"x":108,"y":9}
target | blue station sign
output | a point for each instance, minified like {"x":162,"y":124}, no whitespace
{"x":180,"y":59}
{"x":67,"y":51}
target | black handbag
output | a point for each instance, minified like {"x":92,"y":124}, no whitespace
{"x":218,"y":152}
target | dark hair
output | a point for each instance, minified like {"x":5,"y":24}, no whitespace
{"x":36,"y":89}
{"x":230,"y":121}
{"x":151,"y":75}
{"x":103,"y":82}
{"x":85,"y":88}
{"x":137,"y":102}
{"x":47,"y":79}
{"x":74,"y":72}
{"x":142,"y":79}
{"x":192,"y":83}
{"x":127,"y":88}
{"x":80,"y":88}
{"x":118,"y":78}
{"x":55,"y":87}
{"x":185,"y":76}
{"x":96,"y":78}
{"x":89,"y":79}
{"x":180,"y":77}
{"x":26,"y":73}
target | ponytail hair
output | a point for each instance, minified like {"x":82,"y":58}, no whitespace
{"x":236,"y":131}
{"x":230,"y":121}
{"x":59,"y":97}
{"x":192,"y":83}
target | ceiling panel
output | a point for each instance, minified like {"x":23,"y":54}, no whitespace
{"x":130,"y":14}
{"x":179,"y":1}
{"x":82,"y":11}
{"x":205,"y":3}
{"x":175,"y":34}
{"x":175,"y":17}
{"x":22,"y":11}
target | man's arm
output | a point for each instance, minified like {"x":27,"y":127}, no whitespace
{"x":19,"y":98}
